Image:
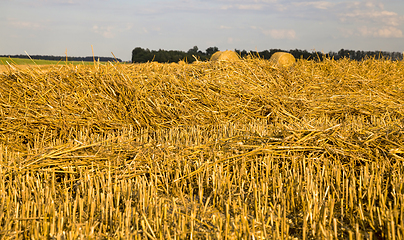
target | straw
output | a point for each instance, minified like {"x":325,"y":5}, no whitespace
{"x":218,"y":149}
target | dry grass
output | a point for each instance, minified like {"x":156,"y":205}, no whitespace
{"x":209,"y":150}
{"x":11,"y":68}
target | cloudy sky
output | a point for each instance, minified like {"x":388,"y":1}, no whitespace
{"x":50,"y":27}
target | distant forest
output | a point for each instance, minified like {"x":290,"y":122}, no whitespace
{"x":140,"y":55}
{"x":60,"y":58}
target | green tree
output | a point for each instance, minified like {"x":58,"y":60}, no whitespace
{"x":140,"y":55}
{"x":211,"y":50}
{"x":193,"y":50}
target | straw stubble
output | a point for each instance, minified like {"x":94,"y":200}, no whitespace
{"x":207,"y":150}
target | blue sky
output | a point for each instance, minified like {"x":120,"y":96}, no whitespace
{"x":50,"y":27}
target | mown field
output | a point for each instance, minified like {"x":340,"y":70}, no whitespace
{"x":209,"y":150}
{"x":7,"y":64}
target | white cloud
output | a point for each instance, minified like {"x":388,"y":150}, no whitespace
{"x":69,"y":1}
{"x":387,"y":32}
{"x":346,"y":33}
{"x":280,"y":33}
{"x":226,"y":7}
{"x":38,"y":3}
{"x":25,"y":24}
{"x":374,"y":19}
{"x":245,"y":1}
{"x":369,"y":12}
{"x":390,"y":32}
{"x":372,"y":32}
{"x":106,"y":32}
{"x":253,"y":7}
{"x":317,"y":4}
{"x":276,"y":33}
{"x":224,"y":27}
{"x":249,"y":6}
{"x":151,"y":29}
{"x":129,"y":26}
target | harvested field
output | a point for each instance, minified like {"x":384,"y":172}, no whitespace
{"x":4,"y":68}
{"x":13,"y":68}
{"x":210,"y":150}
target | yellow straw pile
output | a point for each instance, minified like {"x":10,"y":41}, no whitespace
{"x":218,"y":149}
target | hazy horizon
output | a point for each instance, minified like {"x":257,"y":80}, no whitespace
{"x":52,"y":27}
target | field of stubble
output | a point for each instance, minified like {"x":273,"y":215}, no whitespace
{"x":225,"y":150}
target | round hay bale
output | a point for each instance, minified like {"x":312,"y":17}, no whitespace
{"x":225,"y":56}
{"x":215,"y":56}
{"x":283,"y":59}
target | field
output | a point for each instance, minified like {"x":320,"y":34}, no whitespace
{"x":22,"y":63}
{"x":209,"y":150}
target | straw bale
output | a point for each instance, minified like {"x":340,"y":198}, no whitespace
{"x":227,"y":55}
{"x":215,"y":56}
{"x":283,"y":59}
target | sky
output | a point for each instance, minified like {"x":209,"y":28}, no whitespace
{"x":57,"y":27}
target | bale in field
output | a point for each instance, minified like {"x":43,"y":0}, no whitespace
{"x":215,"y":56}
{"x":283,"y":59}
{"x":225,"y":56}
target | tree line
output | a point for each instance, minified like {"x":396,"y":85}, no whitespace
{"x":63,"y":58}
{"x":141,"y":55}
